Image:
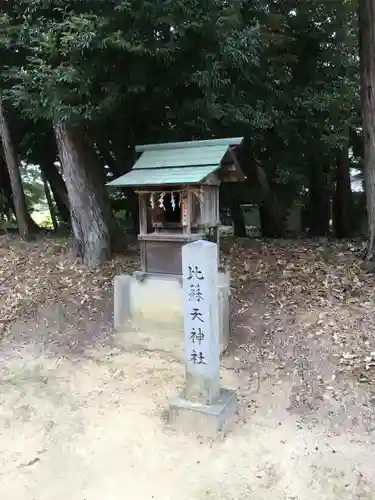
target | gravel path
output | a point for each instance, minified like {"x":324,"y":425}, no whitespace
{"x":81,"y":407}
{"x":86,"y":424}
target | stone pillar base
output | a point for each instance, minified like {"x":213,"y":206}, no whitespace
{"x":204,"y":420}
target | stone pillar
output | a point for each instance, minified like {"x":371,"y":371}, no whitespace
{"x":201,"y":321}
{"x":202,"y":407}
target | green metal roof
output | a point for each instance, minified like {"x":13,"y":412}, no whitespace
{"x":176,"y":163}
{"x":164,"y":158}
{"x":164,"y":176}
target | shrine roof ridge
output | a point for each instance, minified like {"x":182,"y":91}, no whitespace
{"x":228,"y":141}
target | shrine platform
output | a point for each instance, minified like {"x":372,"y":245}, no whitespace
{"x":150,"y":308}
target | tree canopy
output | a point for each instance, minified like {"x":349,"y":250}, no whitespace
{"x":285,"y":75}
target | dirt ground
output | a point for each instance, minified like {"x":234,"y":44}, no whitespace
{"x":81,"y":409}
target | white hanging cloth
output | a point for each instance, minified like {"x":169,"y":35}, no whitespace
{"x":161,"y":201}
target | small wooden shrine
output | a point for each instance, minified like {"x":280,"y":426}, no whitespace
{"x":178,"y":190}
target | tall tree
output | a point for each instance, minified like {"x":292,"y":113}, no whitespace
{"x":89,"y":205}
{"x":367,"y":57}
{"x":53,"y":84}
{"x":19,"y":200}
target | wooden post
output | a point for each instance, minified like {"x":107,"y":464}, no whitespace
{"x":143,"y":228}
{"x":217,"y":203}
{"x":142,"y":214}
{"x":204,"y":207}
{"x":188,"y":208}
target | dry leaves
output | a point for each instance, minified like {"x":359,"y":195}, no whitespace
{"x":32,"y":273}
{"x":320,"y":286}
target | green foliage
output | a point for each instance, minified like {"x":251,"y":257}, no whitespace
{"x":43,"y":220}
{"x":33,"y":187}
{"x":84,"y":60}
{"x":283,"y":74}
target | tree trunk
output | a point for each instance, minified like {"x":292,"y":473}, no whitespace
{"x":58,"y":189}
{"x":62,"y":208}
{"x":7,"y":190}
{"x":267,"y":222}
{"x":319,"y":200}
{"x":342,"y":202}
{"x":6,"y":201}
{"x":4,"y":204}
{"x":51,"y":206}
{"x":18,"y":194}
{"x":367,"y":58}
{"x":239,"y":227}
{"x":272,"y":220}
{"x":89,"y":204}
{"x":33,"y":226}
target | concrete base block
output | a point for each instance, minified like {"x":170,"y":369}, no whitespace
{"x":150,"y":303}
{"x":121,"y":313}
{"x":204,"y":420}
